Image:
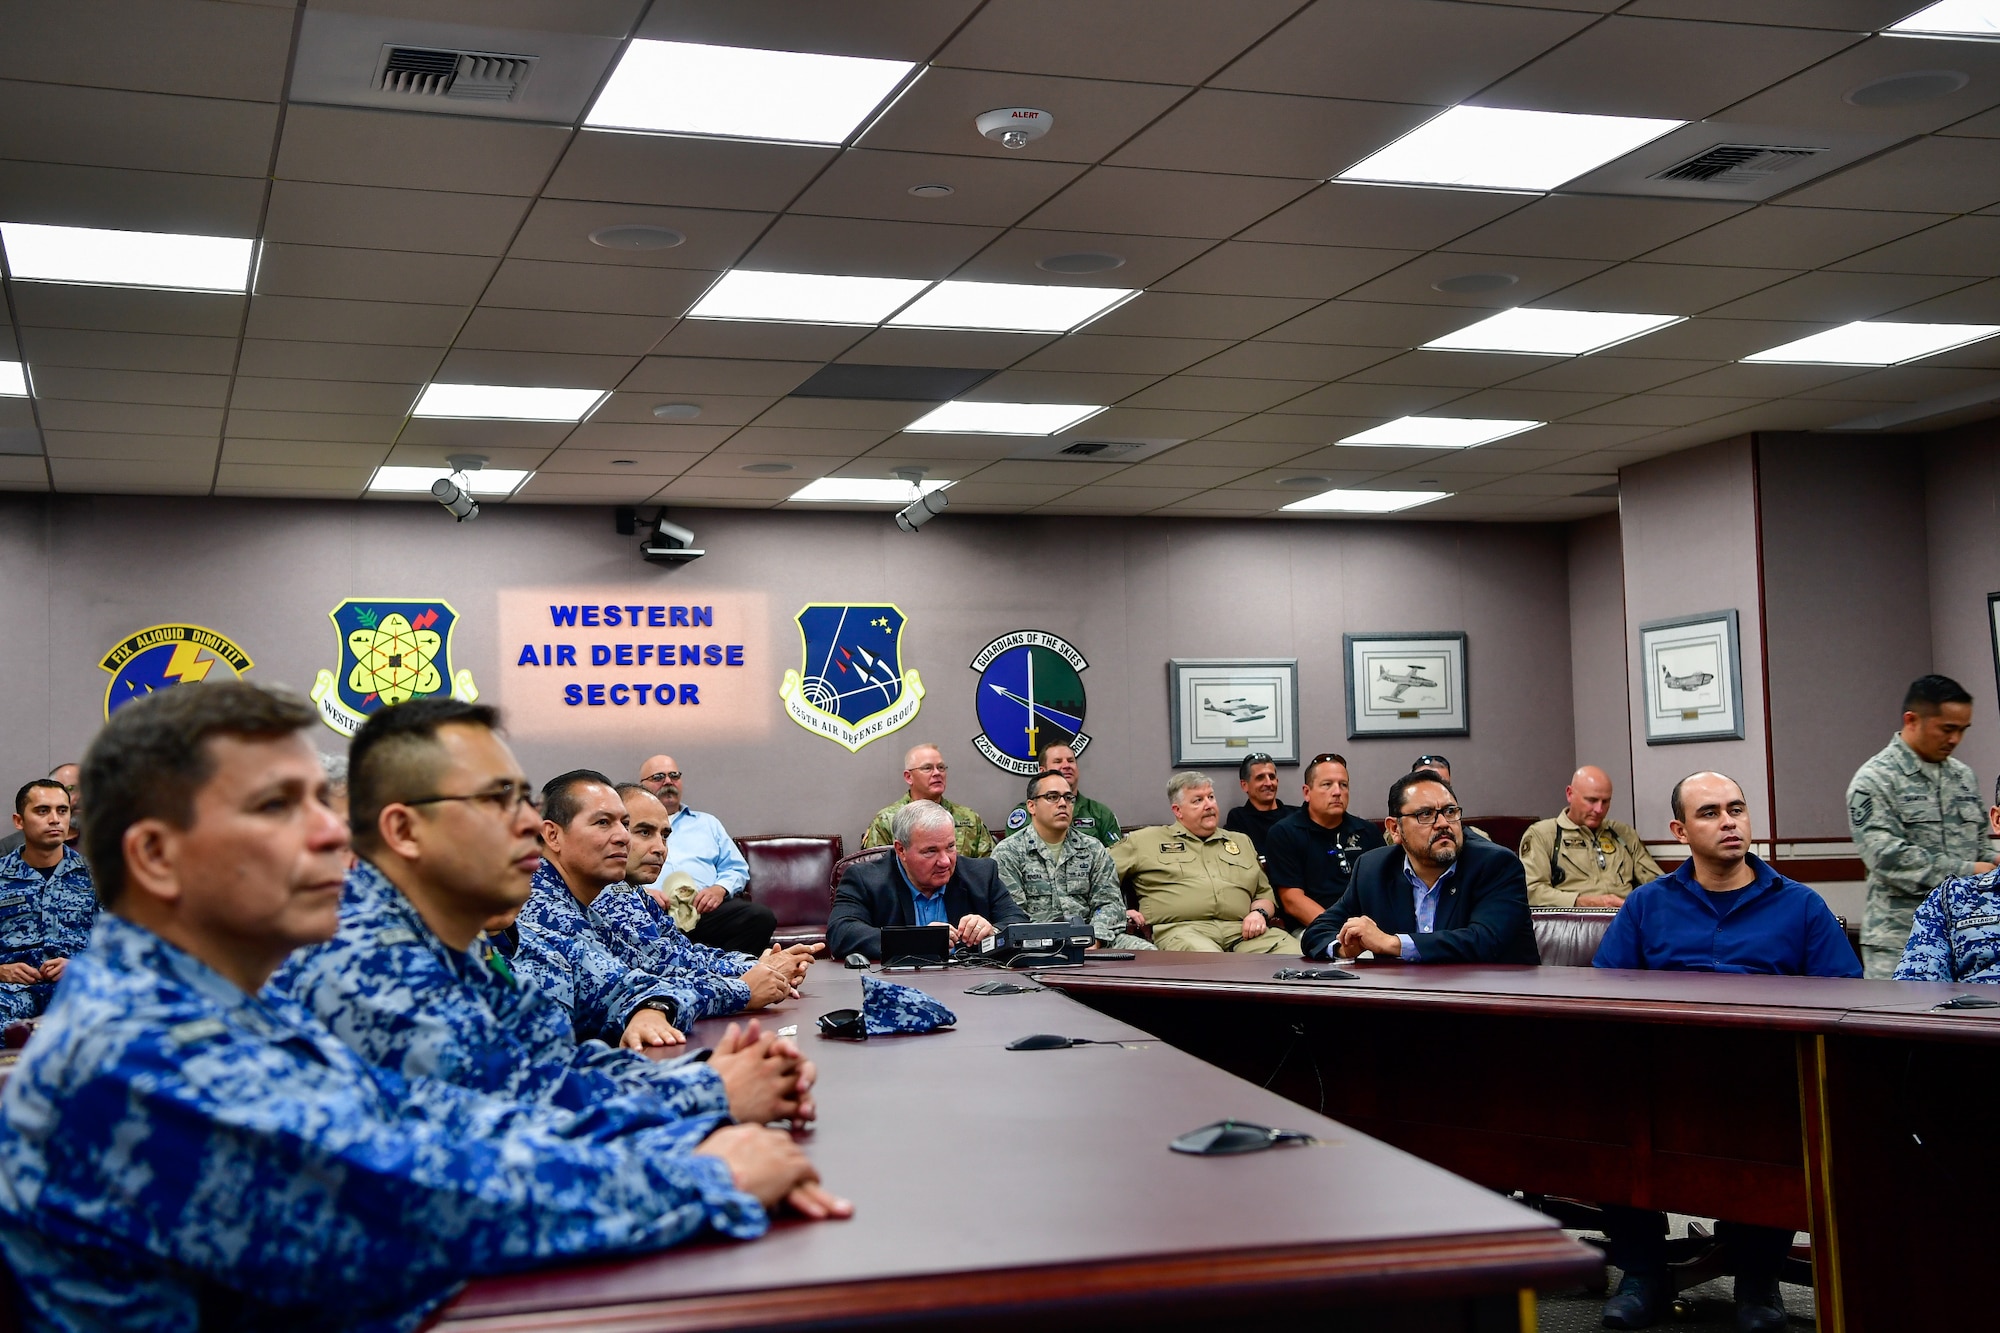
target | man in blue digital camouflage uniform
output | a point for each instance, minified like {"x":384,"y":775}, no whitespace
{"x":46,"y":903}
{"x":445,"y":822}
{"x":1955,"y":932}
{"x":176,"y":1151}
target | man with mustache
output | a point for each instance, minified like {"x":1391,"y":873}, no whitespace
{"x":1430,"y":896}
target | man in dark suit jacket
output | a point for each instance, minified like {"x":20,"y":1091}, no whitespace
{"x":924,"y":882}
{"x":1431,"y":895}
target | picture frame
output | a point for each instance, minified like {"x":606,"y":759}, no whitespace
{"x":1993,"y":624}
{"x":1222,"y":709}
{"x":1691,"y":668}
{"x":1407,"y":684}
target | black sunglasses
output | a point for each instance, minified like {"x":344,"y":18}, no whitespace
{"x":1330,"y":758}
{"x":846,"y":1024}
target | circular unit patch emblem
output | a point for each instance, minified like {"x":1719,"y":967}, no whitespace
{"x":1030,"y":696}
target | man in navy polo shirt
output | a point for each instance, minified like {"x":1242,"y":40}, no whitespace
{"x":1723,"y":910}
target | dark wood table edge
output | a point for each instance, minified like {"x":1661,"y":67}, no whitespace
{"x":1448,"y":1268}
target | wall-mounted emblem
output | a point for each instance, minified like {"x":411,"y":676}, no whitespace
{"x":391,"y":650}
{"x":161,"y":656}
{"x":1030,"y":697}
{"x":850,"y":686}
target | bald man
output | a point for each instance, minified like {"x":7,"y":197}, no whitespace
{"x":1583,"y":857}
{"x":924,"y":779}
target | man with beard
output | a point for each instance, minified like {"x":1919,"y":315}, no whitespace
{"x":1430,"y":896}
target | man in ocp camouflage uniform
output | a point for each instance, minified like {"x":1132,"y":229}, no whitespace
{"x":1093,"y":818}
{"x":1916,"y":816}
{"x":925,"y":776}
{"x":1057,"y":872}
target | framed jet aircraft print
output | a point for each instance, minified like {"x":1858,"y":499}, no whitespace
{"x":1407,"y":685}
{"x":1225,"y":708}
{"x":1691,"y":669}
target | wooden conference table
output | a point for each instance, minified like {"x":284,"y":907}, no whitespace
{"x":992,"y":1186}
{"x":1850,"y":1109}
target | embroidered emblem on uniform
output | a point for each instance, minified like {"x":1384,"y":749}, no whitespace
{"x":395,"y":935}
{"x":1229,"y":845}
{"x":850,"y":686}
{"x":1028,"y":698}
{"x":391,"y":650}
{"x":1018,"y":820}
{"x":198,"y":1029}
{"x":161,"y":656}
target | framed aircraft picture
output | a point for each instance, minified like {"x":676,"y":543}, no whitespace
{"x":1407,"y":685}
{"x":1691,"y":671}
{"x":1225,"y":708}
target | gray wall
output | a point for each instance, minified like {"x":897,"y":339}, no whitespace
{"x":83,"y":572}
{"x":1963,"y":498}
{"x":1597,"y":655}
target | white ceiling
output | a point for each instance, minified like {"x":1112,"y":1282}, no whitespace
{"x":1192,"y":138}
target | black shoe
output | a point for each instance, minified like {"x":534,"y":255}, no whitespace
{"x":1641,"y":1299}
{"x":1759,"y":1307}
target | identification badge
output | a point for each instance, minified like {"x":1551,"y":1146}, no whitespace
{"x":394,"y":935}
{"x":1229,"y":846}
{"x":13,"y":900}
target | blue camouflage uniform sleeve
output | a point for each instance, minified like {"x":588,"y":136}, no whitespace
{"x":684,"y":1087}
{"x":1927,"y":956}
{"x":643,"y":935}
{"x":599,"y":992}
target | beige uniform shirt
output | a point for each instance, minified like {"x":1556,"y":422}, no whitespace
{"x":1612,"y":860}
{"x":1180,"y":877}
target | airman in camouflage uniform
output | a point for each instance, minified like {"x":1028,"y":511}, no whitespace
{"x":1071,"y":878}
{"x":1956,"y":933}
{"x":1092,"y":817}
{"x":1916,"y":817}
{"x":924,"y":776}
{"x":46,"y":910}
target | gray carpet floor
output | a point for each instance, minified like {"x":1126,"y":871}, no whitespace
{"x":1709,"y":1308}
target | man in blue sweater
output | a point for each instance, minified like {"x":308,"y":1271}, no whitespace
{"x":1723,"y":910}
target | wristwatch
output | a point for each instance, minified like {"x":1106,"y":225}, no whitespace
{"x":1270,"y":917}
{"x":658,"y":1005}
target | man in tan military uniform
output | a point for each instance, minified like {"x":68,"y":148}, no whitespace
{"x":924,"y":776}
{"x":1583,"y":858}
{"x":1200,"y":888}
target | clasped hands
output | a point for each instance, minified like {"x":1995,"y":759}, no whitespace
{"x":1359,"y":933}
{"x":30,"y":974}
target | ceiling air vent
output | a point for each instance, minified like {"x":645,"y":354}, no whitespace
{"x":1736,"y":164}
{"x":1102,"y":449}
{"x":482,"y":76}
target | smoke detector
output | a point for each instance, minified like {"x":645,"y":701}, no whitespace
{"x":1014,"y":126}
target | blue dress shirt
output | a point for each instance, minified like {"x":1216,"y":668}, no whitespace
{"x":1771,"y":925}
{"x":929,"y":910}
{"x":1427,"y":905}
{"x":698,"y":844}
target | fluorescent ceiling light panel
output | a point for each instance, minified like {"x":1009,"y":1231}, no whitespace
{"x":965,"y":418}
{"x":1015,"y":307}
{"x":1364,"y":502}
{"x":417,"y":480}
{"x":1876,"y":343}
{"x":1441,"y":432}
{"x":501,"y":402}
{"x":1490,"y":148}
{"x":740,"y":93}
{"x":864,"y":490}
{"x":1550,"y":332}
{"x":1952,"y":18}
{"x":13,"y":380}
{"x":36,"y":253}
{"x":805,"y":298}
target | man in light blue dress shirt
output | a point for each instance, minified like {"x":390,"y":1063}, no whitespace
{"x":701,"y":848}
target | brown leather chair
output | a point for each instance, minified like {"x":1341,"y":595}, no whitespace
{"x":787,"y":873}
{"x":861,"y":857}
{"x":1505,"y":830}
{"x":1569,"y":936}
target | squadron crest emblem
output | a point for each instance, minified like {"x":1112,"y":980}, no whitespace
{"x":160,"y":656}
{"x":1029,"y":698}
{"x":850,"y":686}
{"x":390,"y":651}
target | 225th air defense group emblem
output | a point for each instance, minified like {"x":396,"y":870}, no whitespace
{"x":160,"y":656}
{"x":390,"y":651}
{"x":850,"y":686}
{"x":1029,"y":698}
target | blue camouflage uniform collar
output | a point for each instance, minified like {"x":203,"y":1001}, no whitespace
{"x":377,"y":902}
{"x":121,"y":946}
{"x":1766,"y":879}
{"x":14,"y":863}
{"x":554,"y":892}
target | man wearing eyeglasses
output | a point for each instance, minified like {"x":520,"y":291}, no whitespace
{"x":1431,"y":895}
{"x":1092,"y":817}
{"x":699,"y":847}
{"x":924,"y":776}
{"x":1261,"y":809}
{"x":1309,"y":856}
{"x":1058,"y":872}
{"x":1199,"y":886}
{"x":1583,"y":857}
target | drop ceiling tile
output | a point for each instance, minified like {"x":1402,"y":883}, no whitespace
{"x":24,"y":474}
{"x":17,"y":425}
{"x":393,"y":323}
{"x":1217,"y":393}
{"x":352,"y":146}
{"x":749,"y":340}
{"x":1398,"y":50}
{"x":858,"y":248}
{"x":1546,"y":483}
{"x":1254,"y":268}
{"x":1177,"y":474}
{"x":1173,"y":41}
{"x":160,"y":46}
{"x":1773,"y":236}
{"x":282,"y":492}
{"x":1147,"y":259}
{"x":1264,"y":358}
{"x":1218,"y":504}
{"x":131,"y":386}
{"x":138,"y":418}
{"x":1985,"y":125}
{"x":665,"y":169}
{"x":716,"y":409}
{"x":322,"y":360}
{"x":1383,"y":462}
{"x":1050,"y":386}
{"x":561,"y":370}
{"x":1268,"y":485}
{"x":948,"y":448}
{"x":1514,"y":403}
{"x":130,"y":476}
{"x":1352,"y":398}
{"x":1066,"y":473}
{"x":624,"y":437}
{"x":303,"y":453}
{"x":103,"y":127}
{"x":175,"y":450}
{"x":370,"y":217}
{"x":371,"y":275}
{"x":126,"y":200}
{"x":1817,"y":96}
{"x":1091,"y":352}
{"x":1233,"y":453}
{"x":877,"y":29}
{"x":1173,"y":203}
{"x":1661,"y":410}
{"x":281,"y":477}
{"x":1005,"y":497}
{"x":986,"y":192}
{"x":1569,"y":435}
{"x":1198,"y":315}
{"x":699,"y":375}
{"x":1901,"y":384}
{"x":1933,"y":175}
{"x":1663,"y":289}
{"x":1608,"y":374}
{"x":606,"y":289}
{"x":1091,"y":116}
{"x":945,"y":347}
{"x":1373,"y":324}
{"x":774,"y":442}
{"x":262,"y":425}
{"x":126,"y":309}
{"x":612,"y":463}
{"x":1596,"y":227}
{"x":1299,"y":433}
{"x":503,"y":452}
{"x":842,"y":414}
{"x":1660,"y":67}
{"x":1265,"y":134}
{"x":1385,"y":217}
{"x":730,"y":492}
{"x":559,"y":230}
{"x":1709,"y":339}
{"x":802,"y":468}
{"x":1157,"y":423}
{"x":1968,"y":246}
{"x":128,"y":351}
{"x":1759,"y":381}
{"x":1415,"y":283}
{"x":296,"y":395}
{"x":1976,"y":304}
{"x":1837,"y":297}
{"x":499,"y":329}
{"x":584,"y":489}
{"x":1105,"y":498}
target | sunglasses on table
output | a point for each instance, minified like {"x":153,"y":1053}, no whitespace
{"x":846,"y":1024}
